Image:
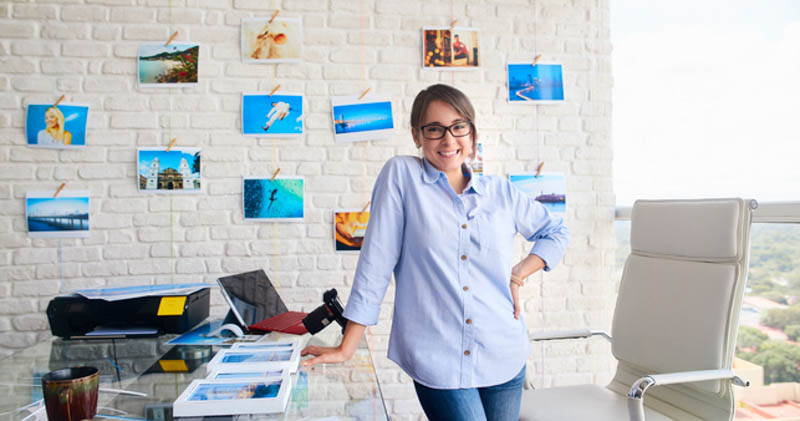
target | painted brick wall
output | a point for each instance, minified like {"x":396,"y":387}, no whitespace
{"x":86,"y":49}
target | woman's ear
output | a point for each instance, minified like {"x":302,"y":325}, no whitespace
{"x":415,"y":135}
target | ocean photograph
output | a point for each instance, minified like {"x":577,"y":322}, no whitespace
{"x":65,"y":216}
{"x":548,"y":189}
{"x":174,"y":64}
{"x":540,"y":83}
{"x":278,"y":200}
{"x":367,"y":119}
{"x":277,"y":115}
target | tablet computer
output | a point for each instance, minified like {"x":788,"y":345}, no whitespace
{"x":251,"y":297}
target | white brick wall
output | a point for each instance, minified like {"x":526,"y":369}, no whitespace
{"x":87,"y":51}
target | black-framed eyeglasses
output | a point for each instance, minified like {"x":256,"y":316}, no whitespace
{"x":436,"y":131}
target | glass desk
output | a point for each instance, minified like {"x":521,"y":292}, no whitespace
{"x":348,"y":391}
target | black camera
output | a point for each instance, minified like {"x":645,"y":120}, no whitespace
{"x":330,"y":310}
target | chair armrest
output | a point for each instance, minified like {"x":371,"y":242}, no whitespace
{"x":640,"y":386}
{"x":568,"y":334}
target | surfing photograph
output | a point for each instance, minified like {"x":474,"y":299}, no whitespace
{"x":281,"y":199}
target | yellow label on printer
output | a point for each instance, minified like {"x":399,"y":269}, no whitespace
{"x":172,"y":366}
{"x":171,"y":306}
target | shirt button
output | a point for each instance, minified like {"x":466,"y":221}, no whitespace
{"x":463,"y":257}
{"x":466,"y":288}
{"x":469,"y":321}
{"x":466,"y":353}
{"x":464,"y":226}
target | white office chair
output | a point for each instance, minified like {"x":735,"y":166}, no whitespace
{"x":675,"y":323}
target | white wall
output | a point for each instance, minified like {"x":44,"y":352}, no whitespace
{"x":87,"y":51}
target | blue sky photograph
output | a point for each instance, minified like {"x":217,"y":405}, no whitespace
{"x":264,"y":115}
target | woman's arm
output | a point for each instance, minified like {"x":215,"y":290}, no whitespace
{"x":336,"y":354}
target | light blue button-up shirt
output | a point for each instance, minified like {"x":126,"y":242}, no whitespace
{"x":451,"y":255}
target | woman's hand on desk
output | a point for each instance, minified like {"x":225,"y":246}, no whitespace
{"x":325,"y":355}
{"x":336,"y":354}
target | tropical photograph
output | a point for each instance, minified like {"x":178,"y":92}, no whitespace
{"x":63,"y":216}
{"x":455,"y":48}
{"x":61,"y":127}
{"x":230,"y":391}
{"x":266,"y":115}
{"x":349,"y":229}
{"x":163,"y":66}
{"x":278,"y":200}
{"x":176,"y":171}
{"x":548,"y":189}
{"x":537,"y":84}
{"x":367,"y":119}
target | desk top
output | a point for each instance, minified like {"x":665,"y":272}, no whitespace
{"x":347,"y":391}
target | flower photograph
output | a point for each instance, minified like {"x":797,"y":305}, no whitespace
{"x":165,"y":66}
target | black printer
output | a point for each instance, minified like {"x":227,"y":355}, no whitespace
{"x":77,"y":317}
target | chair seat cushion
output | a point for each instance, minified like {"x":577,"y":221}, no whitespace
{"x":577,"y":403}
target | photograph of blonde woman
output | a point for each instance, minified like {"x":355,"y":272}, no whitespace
{"x":63,"y":126}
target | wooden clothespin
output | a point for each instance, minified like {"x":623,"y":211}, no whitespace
{"x":536,"y":60}
{"x":174,"y":139}
{"x":363,"y":94}
{"x":171,"y":38}
{"x":275,"y":174}
{"x":273,"y":16}
{"x":453,"y":25}
{"x":59,"y":101}
{"x":274,"y":90}
{"x":539,"y":169}
{"x":61,"y":187}
{"x":364,"y":209}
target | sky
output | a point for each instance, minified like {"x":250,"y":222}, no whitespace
{"x":57,"y":206}
{"x":706,"y":99}
{"x":148,"y":50}
{"x":171,"y":159}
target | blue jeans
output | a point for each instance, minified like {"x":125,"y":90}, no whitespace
{"x":493,"y":403}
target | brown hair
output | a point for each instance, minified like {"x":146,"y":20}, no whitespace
{"x":448,"y":95}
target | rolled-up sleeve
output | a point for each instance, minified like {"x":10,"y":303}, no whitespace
{"x":381,"y":249}
{"x":535,"y":222}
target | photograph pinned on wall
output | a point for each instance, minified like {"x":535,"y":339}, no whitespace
{"x":456,"y":49}
{"x":350,"y":226}
{"x":477,"y":161}
{"x":278,"y":42}
{"x":369,"y":118}
{"x":281,"y":199}
{"x":176,"y":171}
{"x":549,"y":189}
{"x":63,"y":216}
{"x":168,"y":66}
{"x":61,"y":127}
{"x":277,"y":115}
{"x":539,"y":84}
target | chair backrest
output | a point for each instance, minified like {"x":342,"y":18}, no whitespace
{"x":679,"y":301}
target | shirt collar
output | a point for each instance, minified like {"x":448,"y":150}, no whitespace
{"x":430,"y":175}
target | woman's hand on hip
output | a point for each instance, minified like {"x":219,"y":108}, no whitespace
{"x":515,"y":297}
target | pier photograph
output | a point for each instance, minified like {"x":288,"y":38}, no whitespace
{"x":367,"y":119}
{"x":63,"y":216}
{"x":542,"y":83}
{"x":549,"y":189}
{"x":165,"y":66}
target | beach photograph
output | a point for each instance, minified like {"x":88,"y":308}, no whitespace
{"x":176,"y":171}
{"x":170,"y":65}
{"x":350,"y":226}
{"x":367,"y":119}
{"x":63,"y":216}
{"x":278,"y":42}
{"x":61,"y":127}
{"x":450,"y":49}
{"x":549,"y":189}
{"x":214,"y":391}
{"x":266,"y":115}
{"x":542,"y":83}
{"x":281,"y":199}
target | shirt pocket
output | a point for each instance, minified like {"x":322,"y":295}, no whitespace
{"x":496,"y":231}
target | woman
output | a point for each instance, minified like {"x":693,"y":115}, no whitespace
{"x":53,"y":133}
{"x":448,"y":239}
